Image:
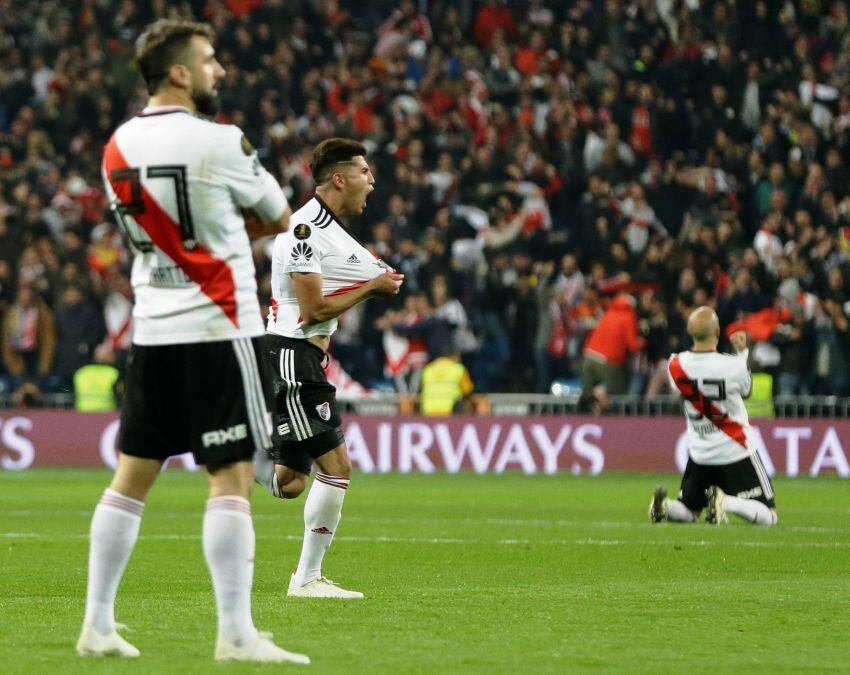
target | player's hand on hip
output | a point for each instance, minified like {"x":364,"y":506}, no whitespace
{"x":387,"y":284}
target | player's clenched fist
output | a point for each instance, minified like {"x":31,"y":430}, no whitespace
{"x":738,"y":340}
{"x":387,"y":284}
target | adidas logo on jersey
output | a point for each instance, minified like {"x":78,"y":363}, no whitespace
{"x":353,"y":260}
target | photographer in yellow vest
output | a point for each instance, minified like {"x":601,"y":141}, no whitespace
{"x":445,"y":385}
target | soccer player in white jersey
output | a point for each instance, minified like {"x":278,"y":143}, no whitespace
{"x":319,"y":270}
{"x":177,"y":182}
{"x":724,"y":472}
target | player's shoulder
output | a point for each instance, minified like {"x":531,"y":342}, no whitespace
{"x":200,"y":132}
{"x":702,"y":359}
{"x":219,"y":136}
{"x":310,"y":214}
{"x":226,"y":131}
{"x":307,"y":212}
{"x":228,"y":138}
{"x":303,"y":223}
{"x":300,"y":230}
{"x":675,"y":357}
{"x":731,"y":363}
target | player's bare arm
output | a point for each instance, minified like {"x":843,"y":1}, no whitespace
{"x":316,"y":308}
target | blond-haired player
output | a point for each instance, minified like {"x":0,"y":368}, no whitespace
{"x":724,"y":473}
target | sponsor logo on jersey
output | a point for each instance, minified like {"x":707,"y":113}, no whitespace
{"x":301,"y":254}
{"x":283,"y":429}
{"x":324,"y":411}
{"x":221,"y":436}
{"x":301,"y":231}
{"x":353,"y":260}
{"x":381,"y":264}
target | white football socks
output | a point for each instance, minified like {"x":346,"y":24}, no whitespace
{"x":229,"y":542}
{"x":322,"y":512}
{"x":678,"y":512}
{"x":114,"y":530}
{"x":749,"y":509}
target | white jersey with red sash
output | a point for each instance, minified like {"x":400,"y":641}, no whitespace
{"x":177,"y":183}
{"x":316,"y":242}
{"x":714,"y":386}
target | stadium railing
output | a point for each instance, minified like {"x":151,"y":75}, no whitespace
{"x":633,"y":405}
{"x":542,"y":404}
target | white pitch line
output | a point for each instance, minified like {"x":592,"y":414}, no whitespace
{"x":479,"y":542}
{"x":514,"y":522}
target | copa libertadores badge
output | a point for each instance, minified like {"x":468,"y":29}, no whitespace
{"x":301,"y":231}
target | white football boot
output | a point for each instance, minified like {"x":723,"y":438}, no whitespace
{"x":262,"y":649}
{"x":320,"y":588}
{"x":92,"y":643}
{"x":716,"y":515}
{"x":658,"y":505}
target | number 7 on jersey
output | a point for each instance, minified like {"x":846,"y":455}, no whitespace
{"x":136,"y":206}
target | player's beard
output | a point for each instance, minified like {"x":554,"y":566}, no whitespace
{"x":206,"y":102}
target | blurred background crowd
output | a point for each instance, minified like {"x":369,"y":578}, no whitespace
{"x":562,"y":181}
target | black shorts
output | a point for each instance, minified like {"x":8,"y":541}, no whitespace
{"x":745,"y":478}
{"x":210,"y":398}
{"x":305,"y":420}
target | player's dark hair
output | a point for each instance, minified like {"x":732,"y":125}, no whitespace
{"x":163,"y":44}
{"x":328,"y":154}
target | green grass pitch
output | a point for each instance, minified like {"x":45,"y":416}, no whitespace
{"x":462,"y":573}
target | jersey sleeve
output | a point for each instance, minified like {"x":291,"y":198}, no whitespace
{"x":299,"y":255}
{"x":238,"y":167}
{"x":743,"y":377}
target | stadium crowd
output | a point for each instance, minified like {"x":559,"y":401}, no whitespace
{"x":541,"y":166}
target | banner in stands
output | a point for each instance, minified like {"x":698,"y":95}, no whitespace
{"x":573,"y":444}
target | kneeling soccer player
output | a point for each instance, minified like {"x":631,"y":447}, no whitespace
{"x":724,"y":472}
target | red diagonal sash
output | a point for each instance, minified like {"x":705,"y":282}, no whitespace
{"x":116,"y":337}
{"x":706,"y":408}
{"x":212,"y":274}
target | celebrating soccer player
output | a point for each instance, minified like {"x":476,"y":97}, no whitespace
{"x":319,"y":270}
{"x":724,"y":471}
